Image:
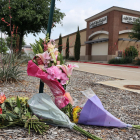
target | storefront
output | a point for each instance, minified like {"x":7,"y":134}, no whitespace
{"x":106,"y":34}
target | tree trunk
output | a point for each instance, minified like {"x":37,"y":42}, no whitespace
{"x":20,"y":43}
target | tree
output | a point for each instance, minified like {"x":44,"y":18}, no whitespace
{"x":30,"y":16}
{"x":67,"y":48}
{"x":15,"y":41}
{"x":131,"y":52}
{"x":77,"y":46}
{"x":4,"y":47}
{"x":60,"y":44}
{"x":135,"y":34}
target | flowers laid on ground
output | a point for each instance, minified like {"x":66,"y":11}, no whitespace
{"x":49,"y":66}
{"x":15,"y":111}
{"x":35,"y":115}
{"x":43,"y":106}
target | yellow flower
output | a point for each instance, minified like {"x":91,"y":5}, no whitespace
{"x":23,"y":99}
{"x":75,"y":112}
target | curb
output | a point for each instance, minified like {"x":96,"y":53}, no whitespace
{"x":108,"y":64}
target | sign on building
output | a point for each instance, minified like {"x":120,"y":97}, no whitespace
{"x":128,"y":19}
{"x":98,"y":22}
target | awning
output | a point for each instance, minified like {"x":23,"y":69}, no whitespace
{"x":97,"y":41}
{"x":127,"y":39}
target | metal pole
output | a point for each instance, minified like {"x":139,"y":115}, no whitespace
{"x":48,"y":31}
{"x":1,"y":43}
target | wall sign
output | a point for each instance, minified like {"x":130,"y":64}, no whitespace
{"x":98,"y":22}
{"x":128,"y":19}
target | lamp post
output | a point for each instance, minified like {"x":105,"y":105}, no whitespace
{"x":48,"y":31}
{"x":1,"y":41}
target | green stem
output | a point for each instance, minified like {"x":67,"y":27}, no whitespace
{"x":44,"y":125}
{"x":10,"y":124}
{"x":136,"y":126}
{"x":34,"y":128}
{"x":38,"y":129}
{"x":86,"y":133}
{"x":29,"y":129}
{"x":31,"y":124}
{"x":42,"y":129}
{"x":41,"y":126}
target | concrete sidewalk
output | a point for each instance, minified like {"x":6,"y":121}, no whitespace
{"x":120,"y":84}
{"x":128,"y":76}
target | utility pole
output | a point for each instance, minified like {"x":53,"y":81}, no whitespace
{"x":1,"y":40}
{"x":48,"y":31}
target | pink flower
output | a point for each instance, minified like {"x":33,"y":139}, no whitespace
{"x":44,"y":56}
{"x":39,"y":61}
{"x":67,"y":68}
{"x":56,"y":53}
{"x":55,"y":73}
{"x":50,"y":45}
{"x":64,"y":79}
{"x":45,"y":46}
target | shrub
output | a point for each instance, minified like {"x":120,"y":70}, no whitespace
{"x":25,"y":58}
{"x":138,"y":62}
{"x":125,"y":60}
{"x":4,"y":48}
{"x":131,"y":52}
{"x":10,"y":68}
{"x":71,"y":58}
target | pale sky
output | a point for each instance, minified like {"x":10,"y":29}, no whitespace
{"x":77,"y":11}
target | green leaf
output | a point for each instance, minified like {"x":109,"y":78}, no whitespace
{"x":16,"y":109}
{"x":10,"y":118}
{"x":3,"y":106}
{"x":11,"y":115}
{"x":18,"y":103}
{"x":3,"y":116}
{"x":28,"y":114}
{"x":40,"y":49}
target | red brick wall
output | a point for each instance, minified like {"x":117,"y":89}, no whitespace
{"x":113,"y":26}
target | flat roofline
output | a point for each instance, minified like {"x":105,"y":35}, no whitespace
{"x":72,"y":33}
{"x":111,"y":9}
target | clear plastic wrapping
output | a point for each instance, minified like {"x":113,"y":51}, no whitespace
{"x":42,"y":105}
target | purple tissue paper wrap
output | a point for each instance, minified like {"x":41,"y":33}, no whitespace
{"x":93,"y":113}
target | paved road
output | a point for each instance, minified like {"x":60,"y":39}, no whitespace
{"x":113,"y":71}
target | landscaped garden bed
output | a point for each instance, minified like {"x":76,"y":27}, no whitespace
{"x":122,"y":104}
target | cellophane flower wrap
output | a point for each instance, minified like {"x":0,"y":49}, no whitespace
{"x":50,"y":68}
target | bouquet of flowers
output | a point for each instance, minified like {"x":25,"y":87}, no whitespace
{"x":48,"y":65}
{"x":43,"y":106}
{"x":16,"y":112}
{"x":93,"y":113}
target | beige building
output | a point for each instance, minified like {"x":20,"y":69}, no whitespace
{"x":72,"y":38}
{"x":107,"y":33}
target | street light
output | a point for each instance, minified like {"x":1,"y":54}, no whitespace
{"x":1,"y":40}
{"x":48,"y":31}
